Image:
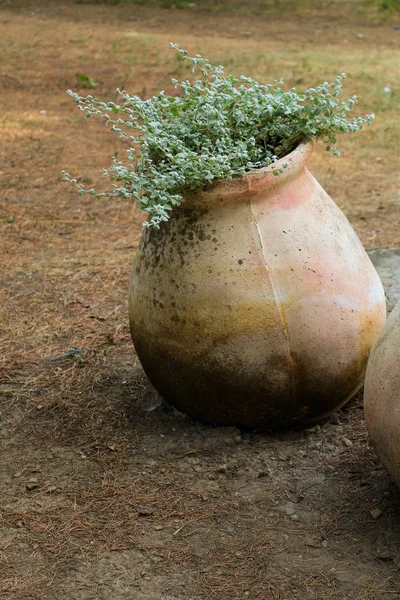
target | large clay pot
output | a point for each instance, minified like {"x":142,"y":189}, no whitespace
{"x":256,"y":304}
{"x":382,"y":395}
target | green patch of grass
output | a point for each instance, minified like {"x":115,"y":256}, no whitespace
{"x":7,"y":218}
{"x":85,"y":81}
{"x":388,"y":6}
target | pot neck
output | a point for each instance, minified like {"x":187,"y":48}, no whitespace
{"x":261,"y":181}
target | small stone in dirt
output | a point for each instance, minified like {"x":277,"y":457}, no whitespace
{"x":51,"y":489}
{"x":330,"y":448}
{"x":144,"y":511}
{"x":314,"y":542}
{"x":290,"y":511}
{"x":325,"y":544}
{"x":158,"y":527}
{"x":375,"y":513}
{"x":348,"y":443}
{"x":32,"y":484}
{"x":295,"y":497}
{"x":284,"y":454}
{"x":311,"y":430}
{"x":261,"y":474}
{"x":385,"y":555}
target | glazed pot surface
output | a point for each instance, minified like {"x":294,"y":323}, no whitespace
{"x":256,"y":304}
{"x":382,"y":395}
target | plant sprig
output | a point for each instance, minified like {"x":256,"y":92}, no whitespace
{"x":217,"y":127}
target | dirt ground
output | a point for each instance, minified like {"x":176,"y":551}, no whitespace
{"x":106,"y":492}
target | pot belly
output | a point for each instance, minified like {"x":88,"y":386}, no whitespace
{"x":245,"y":315}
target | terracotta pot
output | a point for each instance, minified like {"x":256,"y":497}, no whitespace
{"x":382,"y":395}
{"x":256,"y":304}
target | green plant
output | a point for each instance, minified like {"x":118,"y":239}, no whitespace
{"x":85,"y":81}
{"x":389,"y":5}
{"x":217,"y":127}
{"x":385,"y":7}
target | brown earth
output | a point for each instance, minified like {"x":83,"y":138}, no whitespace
{"x":106,"y":492}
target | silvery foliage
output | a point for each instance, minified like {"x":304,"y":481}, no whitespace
{"x":218,"y":127}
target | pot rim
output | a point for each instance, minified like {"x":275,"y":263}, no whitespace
{"x":264,"y":178}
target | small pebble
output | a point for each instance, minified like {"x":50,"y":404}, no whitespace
{"x":348,"y":443}
{"x":32,"y":484}
{"x":145,"y":511}
{"x":375,"y":513}
{"x":330,"y":448}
